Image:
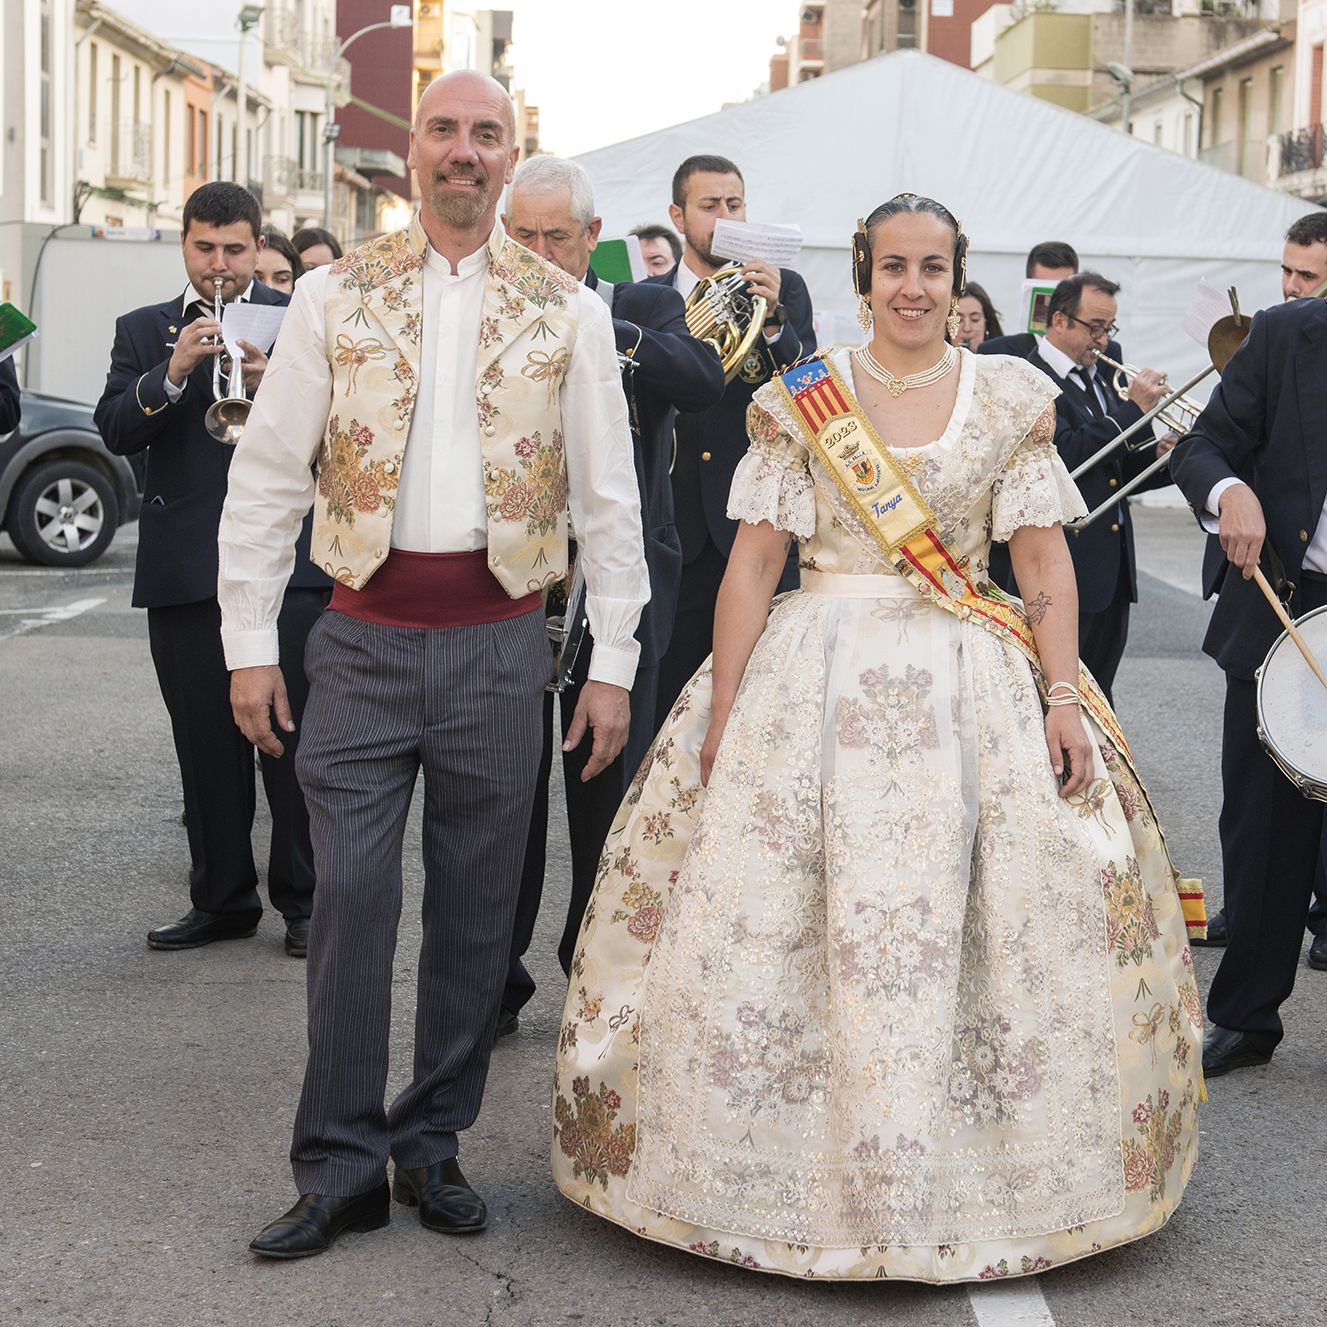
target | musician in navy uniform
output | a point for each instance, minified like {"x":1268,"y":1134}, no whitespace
{"x":550,"y":210}
{"x":1088,"y":414}
{"x":157,"y":393}
{"x":1254,"y":470}
{"x":710,"y":443}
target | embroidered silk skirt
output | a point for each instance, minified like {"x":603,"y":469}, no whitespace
{"x":878,"y":1002}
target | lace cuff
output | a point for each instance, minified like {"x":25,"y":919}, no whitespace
{"x":1035,"y":488}
{"x":773,"y":488}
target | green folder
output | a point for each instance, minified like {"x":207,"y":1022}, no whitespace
{"x":616,"y":261}
{"x":16,"y":330}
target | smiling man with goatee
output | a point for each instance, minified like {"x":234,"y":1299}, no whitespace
{"x":460,"y":397}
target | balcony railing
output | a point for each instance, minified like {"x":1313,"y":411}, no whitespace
{"x":1301,"y":149}
{"x":284,"y":177}
{"x":129,"y":160}
{"x":288,"y":43}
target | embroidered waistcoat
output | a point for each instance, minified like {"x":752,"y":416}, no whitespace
{"x":374,"y":326}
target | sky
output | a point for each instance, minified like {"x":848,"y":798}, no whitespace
{"x":600,"y":71}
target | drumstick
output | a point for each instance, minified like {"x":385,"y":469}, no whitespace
{"x":1286,"y":622}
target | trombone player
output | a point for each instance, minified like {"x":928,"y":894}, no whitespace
{"x":1089,"y":412}
{"x":158,"y":391}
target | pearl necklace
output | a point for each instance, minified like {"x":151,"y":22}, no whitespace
{"x":896,"y":385}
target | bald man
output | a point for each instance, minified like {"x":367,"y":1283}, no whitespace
{"x":458,"y":392}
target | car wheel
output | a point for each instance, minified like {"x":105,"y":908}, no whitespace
{"x":63,"y":514}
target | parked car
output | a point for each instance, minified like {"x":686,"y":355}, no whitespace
{"x":62,"y":493}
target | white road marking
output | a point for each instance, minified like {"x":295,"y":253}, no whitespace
{"x":1010,"y":1304}
{"x":29,"y":619}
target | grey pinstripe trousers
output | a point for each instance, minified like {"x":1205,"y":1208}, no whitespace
{"x":465,"y":704}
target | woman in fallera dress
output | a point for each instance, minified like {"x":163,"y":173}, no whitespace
{"x":886,"y":972}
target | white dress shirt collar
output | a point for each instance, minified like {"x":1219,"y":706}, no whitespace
{"x":685,"y":280}
{"x":472,"y":262}
{"x":1060,"y":363}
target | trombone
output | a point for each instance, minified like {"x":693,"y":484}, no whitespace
{"x":229,"y":412}
{"x":1226,"y":337}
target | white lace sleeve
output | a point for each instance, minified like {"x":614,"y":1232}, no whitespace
{"x":1035,"y":488}
{"x":773,"y":480}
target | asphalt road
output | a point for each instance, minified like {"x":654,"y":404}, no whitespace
{"x":147,"y":1098}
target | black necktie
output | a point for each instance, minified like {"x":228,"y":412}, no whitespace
{"x":1093,"y":401}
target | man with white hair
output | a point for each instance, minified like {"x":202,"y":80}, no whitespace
{"x":458,"y":393}
{"x":550,"y":209}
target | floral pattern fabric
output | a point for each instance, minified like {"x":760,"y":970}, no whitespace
{"x":374,"y":329}
{"x":878,"y":1002}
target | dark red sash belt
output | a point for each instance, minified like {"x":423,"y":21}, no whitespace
{"x":432,"y":590}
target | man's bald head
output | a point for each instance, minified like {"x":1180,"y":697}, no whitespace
{"x":471,"y":86}
{"x":462,"y":151}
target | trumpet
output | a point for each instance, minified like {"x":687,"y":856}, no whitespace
{"x":1179,"y":412}
{"x":229,"y":412}
{"x":1226,"y":337}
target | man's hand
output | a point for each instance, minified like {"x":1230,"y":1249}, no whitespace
{"x":607,"y":710}
{"x":1242,"y":528}
{"x":197,"y":341}
{"x":762,"y":279}
{"x":256,"y":694}
{"x":1166,"y":443}
{"x":1147,"y":388}
{"x":255,"y":362}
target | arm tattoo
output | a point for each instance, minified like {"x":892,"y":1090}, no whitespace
{"x":1038,"y":607}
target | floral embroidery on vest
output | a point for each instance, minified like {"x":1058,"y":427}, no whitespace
{"x":344,"y":479}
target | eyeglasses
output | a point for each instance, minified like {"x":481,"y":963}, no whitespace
{"x":1095,"y":330}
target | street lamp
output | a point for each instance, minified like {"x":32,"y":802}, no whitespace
{"x":400,"y":17}
{"x":248,"y":20}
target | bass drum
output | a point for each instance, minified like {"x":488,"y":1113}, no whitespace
{"x":1292,"y":707}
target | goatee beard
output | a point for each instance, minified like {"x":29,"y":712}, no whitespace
{"x":462,"y":210}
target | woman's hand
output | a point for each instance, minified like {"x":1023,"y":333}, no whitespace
{"x":710,"y":747}
{"x":1070,"y":748}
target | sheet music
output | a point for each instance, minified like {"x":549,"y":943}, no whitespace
{"x":1207,"y":307}
{"x":752,"y":241}
{"x":257,"y":324}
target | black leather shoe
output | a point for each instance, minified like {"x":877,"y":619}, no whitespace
{"x":316,"y":1220}
{"x":1225,"y":1049}
{"x":297,"y":937}
{"x":1318,"y":952}
{"x":508,"y":1022}
{"x":197,"y":928}
{"x":1216,"y":931}
{"x":445,"y":1201}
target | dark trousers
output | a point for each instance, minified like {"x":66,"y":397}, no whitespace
{"x":1102,"y":636}
{"x":693,"y":628}
{"x":1271,"y":836}
{"x":217,"y":763}
{"x":591,"y":807}
{"x":462,"y":704}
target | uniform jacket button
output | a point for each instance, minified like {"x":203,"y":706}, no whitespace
{"x":1303,"y":536}
{"x":1114,"y":483}
{"x":704,"y":456}
{"x":1115,"y":529}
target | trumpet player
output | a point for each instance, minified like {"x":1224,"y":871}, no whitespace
{"x":1088,"y":413}
{"x":160,"y":385}
{"x":710,"y":443}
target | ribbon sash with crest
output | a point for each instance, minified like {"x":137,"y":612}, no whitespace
{"x":910,"y":539}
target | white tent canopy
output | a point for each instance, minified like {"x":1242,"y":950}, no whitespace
{"x":1016,"y":170}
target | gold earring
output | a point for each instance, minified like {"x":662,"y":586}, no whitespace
{"x":954,"y":321}
{"x":864,"y":313}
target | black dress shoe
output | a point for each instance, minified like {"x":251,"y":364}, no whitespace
{"x":1217,"y":934}
{"x":297,"y":937}
{"x":508,"y":1022}
{"x":445,"y":1201}
{"x":197,"y":928}
{"x":1225,"y":1049}
{"x":1318,"y":952}
{"x":316,"y":1220}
